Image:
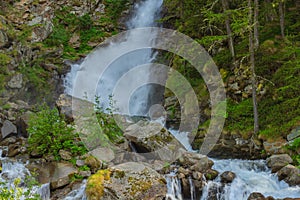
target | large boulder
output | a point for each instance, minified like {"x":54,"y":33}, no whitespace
{"x":126,"y":181}
{"x":154,"y":140}
{"x":8,"y":129}
{"x":61,"y":175}
{"x":103,"y":154}
{"x":289,"y":174}
{"x":276,"y":162}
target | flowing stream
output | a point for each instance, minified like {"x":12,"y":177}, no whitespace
{"x":252,"y":176}
{"x":14,"y":171}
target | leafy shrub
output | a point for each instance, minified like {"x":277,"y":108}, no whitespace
{"x":49,"y":133}
{"x":107,"y":122}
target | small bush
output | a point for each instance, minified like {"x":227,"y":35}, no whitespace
{"x":49,"y":133}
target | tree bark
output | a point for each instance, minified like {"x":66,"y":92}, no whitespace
{"x":228,"y":29}
{"x":256,"y":34}
{"x":281,"y":16}
{"x":253,"y":76}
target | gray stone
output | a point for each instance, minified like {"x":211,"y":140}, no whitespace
{"x":154,"y":139}
{"x":276,"y":162}
{"x":294,"y":134}
{"x":290,"y":174}
{"x":85,"y":174}
{"x":103,"y":153}
{"x":65,"y":155}
{"x":8,"y":129}
{"x":227,"y":177}
{"x":16,"y":82}
{"x":36,"y":20}
{"x":3,"y":39}
{"x":80,"y":163}
{"x":61,"y":175}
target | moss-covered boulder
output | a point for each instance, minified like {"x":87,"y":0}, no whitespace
{"x":154,"y":140}
{"x":127,"y":181}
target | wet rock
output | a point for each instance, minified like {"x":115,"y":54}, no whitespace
{"x":8,"y":129}
{"x":211,"y":174}
{"x":256,"y":196}
{"x":127,"y":181}
{"x":289,"y":174}
{"x":61,"y":175}
{"x":8,"y":141}
{"x":276,"y":162}
{"x":16,"y":82}
{"x":13,"y":150}
{"x":65,"y":155}
{"x":195,"y":161}
{"x":227,"y":177}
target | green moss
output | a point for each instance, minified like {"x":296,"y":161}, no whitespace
{"x":94,"y":187}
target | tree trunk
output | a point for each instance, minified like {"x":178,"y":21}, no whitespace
{"x":228,"y":29}
{"x":253,"y":76}
{"x":256,"y":34}
{"x":281,"y":16}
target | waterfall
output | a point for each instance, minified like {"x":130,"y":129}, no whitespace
{"x":13,"y":170}
{"x":174,"y":187}
{"x":78,"y":194}
{"x":141,"y":99}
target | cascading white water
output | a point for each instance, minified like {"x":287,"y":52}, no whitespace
{"x":13,"y":170}
{"x":139,"y":103}
{"x":78,"y":194}
{"x":251,"y":176}
{"x":174,"y":187}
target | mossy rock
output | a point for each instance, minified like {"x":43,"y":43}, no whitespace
{"x":95,"y":184}
{"x":93,"y":163}
{"x":126,"y":181}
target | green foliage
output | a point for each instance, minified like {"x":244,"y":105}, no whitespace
{"x":107,"y":122}
{"x":295,"y":146}
{"x":36,"y":75}
{"x":240,"y":116}
{"x":49,"y":133}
